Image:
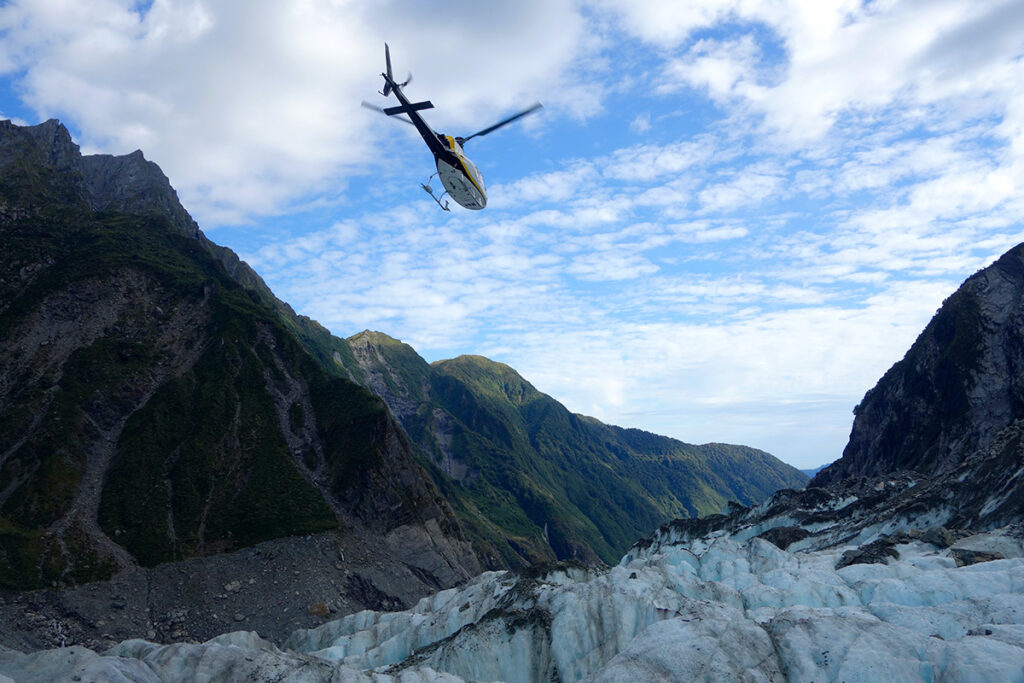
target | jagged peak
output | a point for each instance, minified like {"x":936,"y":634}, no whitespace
{"x":49,"y":142}
{"x":128,"y":183}
{"x":51,"y":129}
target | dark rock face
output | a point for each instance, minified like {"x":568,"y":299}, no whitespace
{"x":784,"y":536}
{"x":958,"y":387}
{"x":127,"y":184}
{"x":937,"y":448}
{"x":876,"y":552}
{"x":131,"y":184}
{"x":153,"y":409}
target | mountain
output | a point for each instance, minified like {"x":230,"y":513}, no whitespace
{"x":957,"y":388}
{"x":903,"y":560}
{"x":532,"y":481}
{"x":153,"y":409}
{"x":912,"y":574}
{"x":169,"y":424}
{"x":529,"y":481}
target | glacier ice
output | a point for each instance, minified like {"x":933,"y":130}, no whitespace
{"x":725,"y":607}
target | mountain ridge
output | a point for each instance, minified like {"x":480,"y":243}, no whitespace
{"x":472,"y":417}
{"x":958,"y":386}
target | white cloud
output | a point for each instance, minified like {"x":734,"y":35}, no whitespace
{"x":554,"y":186}
{"x":747,"y":188}
{"x":646,"y":162}
{"x":252,"y":107}
{"x":720,"y":67}
{"x":610,"y":266}
{"x":666,"y":23}
{"x":641,"y":123}
{"x":840,"y":56}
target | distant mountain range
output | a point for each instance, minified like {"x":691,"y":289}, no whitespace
{"x":158,"y":402}
{"x":814,"y":470}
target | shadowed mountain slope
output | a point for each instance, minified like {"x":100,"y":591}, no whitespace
{"x":153,"y":409}
{"x":956,"y":390}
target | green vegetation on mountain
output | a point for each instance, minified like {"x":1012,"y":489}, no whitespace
{"x":158,"y":402}
{"x":148,"y":398}
{"x":532,"y":480}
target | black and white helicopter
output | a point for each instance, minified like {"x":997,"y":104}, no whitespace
{"x":461,"y":179}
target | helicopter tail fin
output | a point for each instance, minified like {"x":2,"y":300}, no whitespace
{"x":388,"y":78}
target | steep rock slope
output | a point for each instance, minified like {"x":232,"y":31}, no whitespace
{"x":957,"y":388}
{"x":519,"y":466}
{"x":152,"y":409}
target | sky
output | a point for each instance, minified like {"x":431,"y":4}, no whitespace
{"x":730,"y":218}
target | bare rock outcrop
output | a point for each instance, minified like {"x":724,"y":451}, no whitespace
{"x":957,"y":389}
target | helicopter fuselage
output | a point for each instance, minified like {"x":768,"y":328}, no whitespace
{"x":458,"y":174}
{"x":462,"y":179}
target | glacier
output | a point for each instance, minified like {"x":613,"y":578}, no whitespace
{"x":721,"y":607}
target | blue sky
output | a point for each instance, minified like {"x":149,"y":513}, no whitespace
{"x":729,"y":219}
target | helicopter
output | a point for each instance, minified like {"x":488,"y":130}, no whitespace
{"x":461,"y":178}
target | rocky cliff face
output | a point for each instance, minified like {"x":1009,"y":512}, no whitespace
{"x":152,"y":409}
{"x":957,"y":389}
{"x":127,"y":184}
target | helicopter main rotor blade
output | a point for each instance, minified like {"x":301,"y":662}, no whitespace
{"x":378,"y":109}
{"x":503,"y":122}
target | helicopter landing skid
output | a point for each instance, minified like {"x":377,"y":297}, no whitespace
{"x":429,"y":190}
